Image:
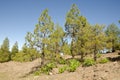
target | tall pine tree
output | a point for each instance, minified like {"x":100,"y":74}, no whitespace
{"x":113,"y":33}
{"x":71,"y":26}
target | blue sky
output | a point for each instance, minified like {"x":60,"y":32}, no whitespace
{"x":17,"y":17}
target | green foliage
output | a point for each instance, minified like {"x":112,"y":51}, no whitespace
{"x":98,"y":39}
{"x":14,"y":50}
{"x":40,"y":38}
{"x":4,"y":51}
{"x":104,"y":60}
{"x":29,"y":55}
{"x":47,"y":68}
{"x":83,"y":42}
{"x":21,"y":57}
{"x":5,"y":45}
{"x":72,"y":65}
{"x":62,"y":69}
{"x":88,"y":62}
{"x":113,"y":33}
{"x":62,"y":61}
{"x":66,"y":48}
{"x":36,"y":73}
{"x":4,"y":56}
{"x":56,"y":42}
{"x":71,"y":26}
{"x":99,"y":55}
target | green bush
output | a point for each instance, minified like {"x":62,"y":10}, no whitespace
{"x":72,"y":65}
{"x":62,"y":69}
{"x":61,"y":61}
{"x":88,"y":62}
{"x":29,"y":55}
{"x":46,"y":68}
{"x":21,"y":57}
{"x":99,"y":55}
{"x":104,"y":60}
{"x":36,"y":73}
{"x":4,"y":56}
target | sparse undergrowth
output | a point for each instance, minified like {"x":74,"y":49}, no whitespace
{"x":103,"y":60}
{"x":46,"y":69}
{"x":88,"y":62}
{"x":62,"y":69}
{"x":72,"y":65}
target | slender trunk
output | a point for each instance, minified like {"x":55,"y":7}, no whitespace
{"x":82,"y":56}
{"x":43,"y":55}
{"x":56,"y":51}
{"x":72,"y":49}
{"x":95,"y":52}
{"x":113,"y":47}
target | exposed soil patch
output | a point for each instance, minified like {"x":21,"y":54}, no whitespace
{"x":108,"y":71}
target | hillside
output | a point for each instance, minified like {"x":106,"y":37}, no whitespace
{"x":108,"y":71}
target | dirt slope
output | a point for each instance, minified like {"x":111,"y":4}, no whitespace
{"x":16,"y":70}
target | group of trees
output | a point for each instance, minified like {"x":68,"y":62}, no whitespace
{"x":49,"y":40}
{"x":26,"y":54}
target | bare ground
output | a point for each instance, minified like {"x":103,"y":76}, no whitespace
{"x":16,"y":71}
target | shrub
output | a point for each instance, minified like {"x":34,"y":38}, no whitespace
{"x":61,"y":61}
{"x":72,"y":65}
{"x":36,"y":73}
{"x":4,"y":56}
{"x":99,"y":55}
{"x":88,"y":62}
{"x":46,"y":68}
{"x":104,"y":60}
{"x":29,"y":55}
{"x":62,"y":69}
{"x":21,"y":57}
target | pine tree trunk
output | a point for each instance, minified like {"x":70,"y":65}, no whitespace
{"x":82,"y":57}
{"x":113,"y":47}
{"x":72,"y":49}
{"x":95,"y":54}
{"x":43,"y":56}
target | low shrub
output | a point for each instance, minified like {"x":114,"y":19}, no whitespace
{"x":29,"y":55}
{"x":104,"y":60}
{"x":47,"y":68}
{"x":99,"y":55}
{"x":72,"y":65}
{"x":36,"y":73}
{"x":21,"y":57}
{"x":4,"y":56}
{"x":62,"y":69}
{"x":88,"y":62}
{"x":61,"y":61}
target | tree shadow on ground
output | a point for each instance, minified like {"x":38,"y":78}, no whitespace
{"x":113,"y":59}
{"x":31,"y":72}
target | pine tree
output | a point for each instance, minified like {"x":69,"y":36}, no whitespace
{"x":56,"y":40}
{"x":84,"y":35}
{"x":14,"y":50}
{"x":71,"y":26}
{"x":42,"y":33}
{"x":113,"y":33}
{"x":30,"y":40}
{"x":5,"y":45}
{"x":98,"y":42}
{"x":4,"y":51}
